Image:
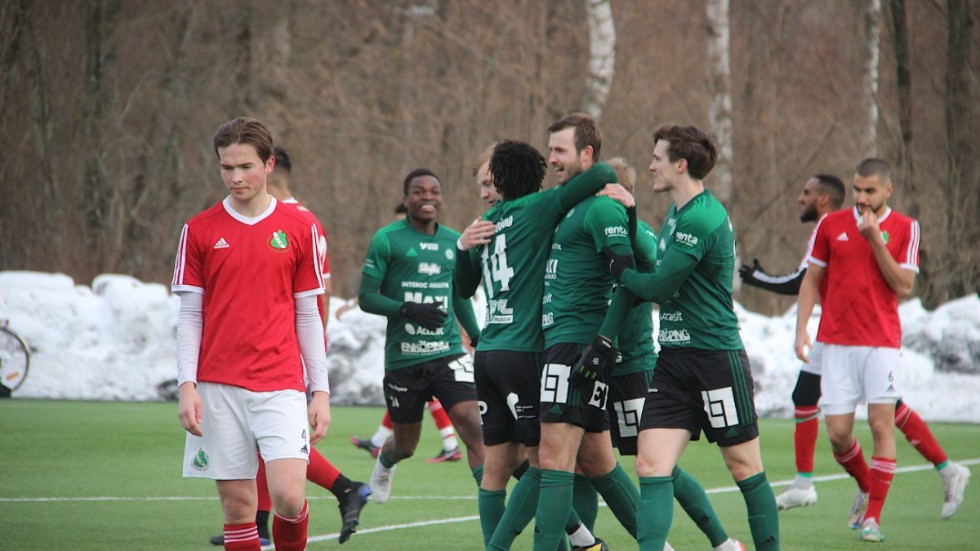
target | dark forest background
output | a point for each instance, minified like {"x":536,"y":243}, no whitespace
{"x":107,"y":108}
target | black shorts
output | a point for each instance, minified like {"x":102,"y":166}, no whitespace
{"x":627,"y":393}
{"x":707,"y":390}
{"x":561,"y":402}
{"x":508,"y":387}
{"x":407,"y":390}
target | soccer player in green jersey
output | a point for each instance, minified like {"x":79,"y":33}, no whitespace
{"x":702,"y":381}
{"x":632,"y":373}
{"x":408,"y":277}
{"x":508,"y":249}
{"x":574,"y":427}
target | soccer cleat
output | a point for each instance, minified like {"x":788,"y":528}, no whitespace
{"x":667,"y":547}
{"x":446,"y":455}
{"x":350,"y":509}
{"x":381,"y":482}
{"x":731,"y":545}
{"x":796,"y":496}
{"x":366,"y":445}
{"x":220,"y":540}
{"x":953,"y":488}
{"x":871,"y":532}
{"x":858,"y":509}
{"x":599,"y":545}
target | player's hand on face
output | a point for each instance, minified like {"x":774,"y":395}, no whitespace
{"x":477,"y":233}
{"x":190,"y":409}
{"x":618,"y":193}
{"x":868,"y":225}
{"x":319,"y":416}
{"x":802,"y":345}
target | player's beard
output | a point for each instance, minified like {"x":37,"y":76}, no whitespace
{"x":809,"y":214}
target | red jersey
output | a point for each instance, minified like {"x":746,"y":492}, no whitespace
{"x":858,"y":307}
{"x":321,"y":247}
{"x":322,"y":242}
{"x":250,"y":271}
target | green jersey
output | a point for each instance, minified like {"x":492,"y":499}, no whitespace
{"x":577,"y":284}
{"x":512,"y":265}
{"x":635,"y":340}
{"x":700,"y":314}
{"x":415,"y":267}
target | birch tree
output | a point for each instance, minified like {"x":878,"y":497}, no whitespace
{"x":870,"y":55}
{"x":602,"y":55}
{"x":720,"y":84}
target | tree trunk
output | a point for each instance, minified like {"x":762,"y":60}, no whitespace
{"x":962,"y":259}
{"x":870,"y":56}
{"x":720,"y":83}
{"x":602,"y":55}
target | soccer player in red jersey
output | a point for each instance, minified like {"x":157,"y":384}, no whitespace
{"x":248,"y":274}
{"x":351,"y":495}
{"x":869,"y":256}
{"x":821,"y":195}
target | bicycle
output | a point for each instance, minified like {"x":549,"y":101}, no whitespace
{"x":15,"y":359}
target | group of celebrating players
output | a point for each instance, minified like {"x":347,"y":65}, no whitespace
{"x":565,"y":366}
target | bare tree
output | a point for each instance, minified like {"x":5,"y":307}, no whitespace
{"x":961,"y":259}
{"x":720,"y":85}
{"x":871,"y":53}
{"x":602,"y":55}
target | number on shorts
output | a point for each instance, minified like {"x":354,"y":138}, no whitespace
{"x":462,"y":370}
{"x":554,"y":383}
{"x":628,"y":416}
{"x":719,"y":404}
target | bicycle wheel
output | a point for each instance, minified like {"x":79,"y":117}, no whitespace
{"x":15,"y":359}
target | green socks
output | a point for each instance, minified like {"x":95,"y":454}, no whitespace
{"x":520,"y":510}
{"x":763,"y":513}
{"x":690,"y":494}
{"x":554,"y":503}
{"x":655,"y":512}
{"x":491,"y":506}
{"x":585,"y":502}
{"x":621,"y":495}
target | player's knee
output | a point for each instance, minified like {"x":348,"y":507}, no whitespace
{"x":807,"y":391}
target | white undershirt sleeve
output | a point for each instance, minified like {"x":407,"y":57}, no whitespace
{"x":309,"y":332}
{"x":190,"y":323}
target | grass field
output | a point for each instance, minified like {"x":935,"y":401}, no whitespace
{"x":97,"y":475}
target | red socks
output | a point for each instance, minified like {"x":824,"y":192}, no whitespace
{"x":320,"y":471}
{"x":805,"y":437}
{"x":918,"y":434}
{"x":855,"y":465}
{"x":882,"y":472}
{"x":242,"y":537}
{"x":289,"y":534}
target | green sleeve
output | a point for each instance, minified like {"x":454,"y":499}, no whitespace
{"x":463,"y":309}
{"x":467,"y":275}
{"x":372,"y":301}
{"x":661,"y":285}
{"x":620,"y":305}
{"x":586,"y":184}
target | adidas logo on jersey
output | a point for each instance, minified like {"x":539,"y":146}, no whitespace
{"x":842,"y":237}
{"x":221,"y":244}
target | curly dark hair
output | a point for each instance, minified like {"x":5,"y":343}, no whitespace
{"x":517,"y":169}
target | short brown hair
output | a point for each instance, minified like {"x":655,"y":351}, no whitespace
{"x":692,"y":145}
{"x":874,"y":167}
{"x":244,"y":130}
{"x":483,"y":159}
{"x":586,"y":132}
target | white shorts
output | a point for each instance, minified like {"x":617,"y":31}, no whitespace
{"x":815,"y":356}
{"x":858,"y":374}
{"x":236,"y":422}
